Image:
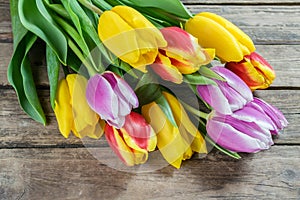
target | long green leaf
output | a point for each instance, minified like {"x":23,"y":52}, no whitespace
{"x":197,"y":79}
{"x":207,"y":72}
{"x":164,"y":105}
{"x":53,"y":66}
{"x":103,"y":5}
{"x":86,"y":28}
{"x":20,"y":77}
{"x":35,"y":17}
{"x":19,"y":31}
{"x":148,"y":93}
{"x":174,"y":7}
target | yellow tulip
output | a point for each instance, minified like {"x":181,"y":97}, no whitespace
{"x":214,"y":31}
{"x":72,"y":111}
{"x":130,"y":36}
{"x":176,"y":143}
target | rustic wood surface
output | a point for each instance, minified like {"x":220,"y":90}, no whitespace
{"x":36,"y":162}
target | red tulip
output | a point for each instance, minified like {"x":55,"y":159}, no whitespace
{"x":255,"y":71}
{"x":133,"y":141}
{"x":182,"y":55}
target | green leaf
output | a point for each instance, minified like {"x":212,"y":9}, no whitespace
{"x":174,"y":7}
{"x":148,"y":93}
{"x":207,"y":72}
{"x":85,"y":27}
{"x":197,"y":79}
{"x":164,"y":105}
{"x":36,"y":18}
{"x":103,"y":5}
{"x":20,"y":77}
{"x":59,"y":9}
{"x":73,"y":34}
{"x":53,"y":66}
{"x":19,"y":31}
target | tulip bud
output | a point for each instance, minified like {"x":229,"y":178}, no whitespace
{"x":254,"y":70}
{"x":72,"y":111}
{"x":182,"y":55}
{"x":133,"y":141}
{"x":238,"y":135}
{"x":273,"y":113}
{"x":229,"y":95}
{"x":176,"y":143}
{"x":130,"y":36}
{"x":214,"y":31}
{"x":111,"y":97}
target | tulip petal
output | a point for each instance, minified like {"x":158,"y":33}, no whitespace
{"x":169,"y":141}
{"x":117,"y":32}
{"x":252,"y":113}
{"x":122,"y":89}
{"x":215,"y":98}
{"x":63,"y":109}
{"x":140,"y":131}
{"x":235,"y":82}
{"x":232,"y":139}
{"x":243,"y":38}
{"x":211,"y":34}
{"x":164,"y":68}
{"x":248,"y":128}
{"x":118,"y":145}
{"x":101,"y":97}
{"x":187,"y":128}
{"x":83,"y":114}
{"x":275,"y":115}
{"x":184,"y":51}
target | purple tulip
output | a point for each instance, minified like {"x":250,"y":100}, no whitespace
{"x":276,"y":116}
{"x":111,"y":97}
{"x":229,"y":95}
{"x":238,"y":135}
{"x":248,"y":129}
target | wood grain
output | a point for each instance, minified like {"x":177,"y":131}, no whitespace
{"x":76,"y":174}
{"x":257,"y":21}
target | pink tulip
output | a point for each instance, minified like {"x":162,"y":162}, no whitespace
{"x":238,"y":135}
{"x":133,"y":141}
{"x":248,"y":129}
{"x":276,"y":116}
{"x":182,"y":55}
{"x":111,"y":97}
{"x":229,"y":95}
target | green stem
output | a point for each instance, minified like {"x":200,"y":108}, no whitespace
{"x":90,"y":6}
{"x":73,"y":46}
{"x":194,"y":111}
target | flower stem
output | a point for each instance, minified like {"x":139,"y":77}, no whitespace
{"x":90,"y":6}
{"x":194,"y":111}
{"x":90,"y":69}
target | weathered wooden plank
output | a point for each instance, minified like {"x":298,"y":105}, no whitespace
{"x":18,"y":130}
{"x":5,"y":22}
{"x":284,"y":58}
{"x":257,"y":21}
{"x":74,"y":173}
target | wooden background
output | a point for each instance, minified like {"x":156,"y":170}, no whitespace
{"x":36,"y":162}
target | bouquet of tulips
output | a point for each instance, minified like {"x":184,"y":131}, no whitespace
{"x":148,"y":75}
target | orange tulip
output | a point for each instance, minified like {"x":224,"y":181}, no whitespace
{"x":254,"y":70}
